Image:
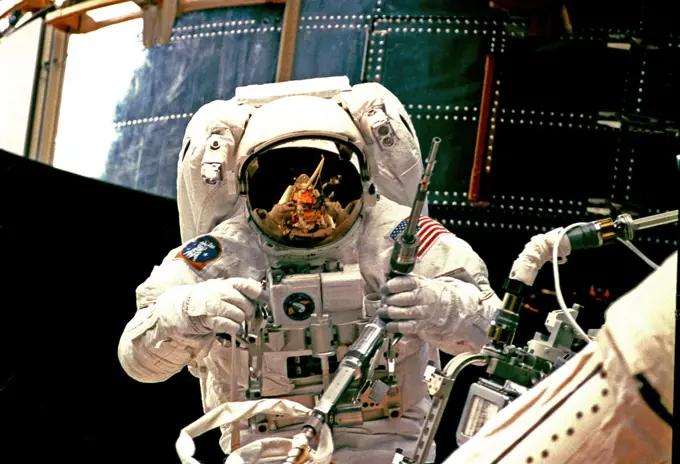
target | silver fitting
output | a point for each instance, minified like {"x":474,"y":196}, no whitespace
{"x":259,"y":423}
{"x":625,"y":227}
{"x":372,"y":302}
{"x":381,"y":127}
{"x":321,"y":333}
{"x":211,"y":173}
{"x":214,"y":157}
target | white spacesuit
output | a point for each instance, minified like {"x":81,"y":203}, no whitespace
{"x":612,"y":402}
{"x":209,"y":284}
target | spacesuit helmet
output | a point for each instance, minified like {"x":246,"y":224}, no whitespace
{"x":303,"y":173}
{"x":367,"y":114}
{"x":304,"y":193}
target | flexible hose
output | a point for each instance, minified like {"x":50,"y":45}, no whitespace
{"x":558,"y":291}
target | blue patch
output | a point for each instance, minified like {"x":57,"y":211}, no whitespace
{"x":400,"y":228}
{"x":200,"y":252}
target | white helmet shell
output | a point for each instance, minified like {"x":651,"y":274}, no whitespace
{"x":300,"y":117}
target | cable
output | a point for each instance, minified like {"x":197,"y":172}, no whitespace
{"x":572,"y":322}
{"x":635,"y":250}
{"x":558,"y":291}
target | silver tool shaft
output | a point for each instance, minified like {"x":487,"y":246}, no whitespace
{"x":421,"y":195}
{"x":656,"y":220}
{"x":325,"y":372}
{"x":233,"y":397}
{"x":405,"y":252}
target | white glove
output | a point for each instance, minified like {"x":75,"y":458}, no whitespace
{"x":445,"y":311}
{"x":165,"y":336}
{"x":211,"y":307}
{"x":414,"y":305}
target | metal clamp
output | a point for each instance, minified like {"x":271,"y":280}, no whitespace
{"x":157,"y":21}
{"x":379,"y":126}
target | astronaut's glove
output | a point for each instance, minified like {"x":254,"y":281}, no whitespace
{"x":213,"y":307}
{"x":416,"y":305}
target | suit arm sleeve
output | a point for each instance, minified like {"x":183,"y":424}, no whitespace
{"x":472,"y":304}
{"x":150,"y":348}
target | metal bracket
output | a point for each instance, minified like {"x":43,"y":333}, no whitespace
{"x":379,"y":127}
{"x":158,"y":20}
{"x":440,"y":385}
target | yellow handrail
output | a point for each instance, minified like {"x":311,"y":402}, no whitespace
{"x":78,"y":19}
{"x":8,"y":6}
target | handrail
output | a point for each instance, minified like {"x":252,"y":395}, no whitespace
{"x":77,"y":19}
{"x":91,"y":15}
{"x":9,"y":6}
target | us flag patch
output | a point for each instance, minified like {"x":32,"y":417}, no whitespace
{"x":428,"y":230}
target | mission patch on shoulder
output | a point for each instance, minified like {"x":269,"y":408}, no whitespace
{"x":201,"y":252}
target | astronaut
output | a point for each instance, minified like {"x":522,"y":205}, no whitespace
{"x":237,"y":159}
{"x":612,"y":402}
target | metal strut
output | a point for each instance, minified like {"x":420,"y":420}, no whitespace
{"x":439,"y":385}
